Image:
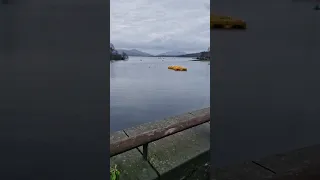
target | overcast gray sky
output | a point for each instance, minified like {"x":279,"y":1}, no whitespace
{"x":160,"y":26}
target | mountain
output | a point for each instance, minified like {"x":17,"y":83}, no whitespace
{"x":172,"y":53}
{"x":134,"y":52}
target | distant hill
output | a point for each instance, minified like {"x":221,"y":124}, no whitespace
{"x":172,"y":54}
{"x":134,"y":52}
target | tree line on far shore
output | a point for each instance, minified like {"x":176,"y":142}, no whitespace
{"x":114,"y":55}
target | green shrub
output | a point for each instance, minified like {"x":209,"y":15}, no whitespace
{"x":114,"y":173}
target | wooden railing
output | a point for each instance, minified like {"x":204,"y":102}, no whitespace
{"x":150,"y":136}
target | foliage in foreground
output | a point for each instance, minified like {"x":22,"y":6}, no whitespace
{"x":114,"y":173}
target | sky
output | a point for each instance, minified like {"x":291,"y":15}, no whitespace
{"x":160,"y":26}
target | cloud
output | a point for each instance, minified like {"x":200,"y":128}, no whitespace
{"x":160,"y":26}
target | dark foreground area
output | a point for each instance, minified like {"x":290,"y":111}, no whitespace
{"x":54,"y":104}
{"x":300,"y":164}
{"x":265,"y":80}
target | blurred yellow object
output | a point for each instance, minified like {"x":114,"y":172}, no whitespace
{"x":177,"y":68}
{"x":226,"y":22}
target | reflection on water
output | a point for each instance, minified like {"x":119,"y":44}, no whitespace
{"x":143,"y":89}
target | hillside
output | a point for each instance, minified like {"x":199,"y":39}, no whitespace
{"x":171,"y":54}
{"x":134,"y":52}
{"x":190,"y":55}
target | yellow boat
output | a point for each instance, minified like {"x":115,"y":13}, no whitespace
{"x":226,"y":22}
{"x":177,"y":68}
{"x":172,"y":67}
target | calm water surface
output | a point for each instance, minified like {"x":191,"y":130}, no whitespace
{"x":143,"y":89}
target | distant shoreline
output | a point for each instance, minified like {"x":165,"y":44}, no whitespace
{"x":165,"y":56}
{"x":200,"y":60}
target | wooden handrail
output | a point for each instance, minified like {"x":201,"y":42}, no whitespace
{"x":153,"y":135}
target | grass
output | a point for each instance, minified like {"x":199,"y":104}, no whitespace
{"x":114,"y":173}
